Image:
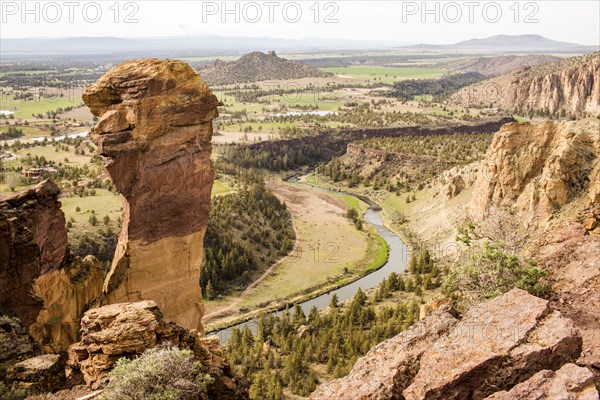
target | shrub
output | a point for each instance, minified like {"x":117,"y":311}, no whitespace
{"x":493,"y":272}
{"x":160,"y":373}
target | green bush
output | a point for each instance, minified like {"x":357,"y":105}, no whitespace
{"x":161,"y":373}
{"x":493,"y":272}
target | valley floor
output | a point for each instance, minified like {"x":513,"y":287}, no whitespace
{"x":330,"y":252}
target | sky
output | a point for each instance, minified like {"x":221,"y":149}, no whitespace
{"x":433,"y":22}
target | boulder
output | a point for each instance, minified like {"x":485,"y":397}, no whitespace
{"x":497,"y":344}
{"x":128,"y":329}
{"x":570,"y":382}
{"x":455,"y":187}
{"x":38,"y":374}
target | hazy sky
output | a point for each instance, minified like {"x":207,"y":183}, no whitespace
{"x":402,"y":21}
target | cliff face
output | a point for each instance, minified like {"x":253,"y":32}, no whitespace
{"x":572,"y":85}
{"x":154,"y":131}
{"x":536,"y":169}
{"x":39,"y":283}
{"x":33,"y":239}
{"x":549,"y":175}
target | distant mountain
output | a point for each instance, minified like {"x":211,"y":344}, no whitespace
{"x":570,"y":86}
{"x":508,"y":44}
{"x":201,"y":44}
{"x":257,"y":67}
{"x":493,"y":66}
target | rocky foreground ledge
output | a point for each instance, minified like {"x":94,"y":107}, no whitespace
{"x":512,"y":347}
{"x":107,"y":334}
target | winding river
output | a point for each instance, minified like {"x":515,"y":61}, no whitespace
{"x":397,"y":260}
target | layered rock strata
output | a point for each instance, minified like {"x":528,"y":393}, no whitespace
{"x":570,"y":86}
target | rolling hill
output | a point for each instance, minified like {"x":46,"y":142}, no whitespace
{"x":256,"y":67}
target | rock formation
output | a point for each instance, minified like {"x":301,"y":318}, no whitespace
{"x":571,"y":85}
{"x":536,"y":169}
{"x":549,"y":175}
{"x":569,"y":382}
{"x":126,"y":330}
{"x":389,"y":367}
{"x":154,"y":130}
{"x":33,"y":239}
{"x":15,"y":343}
{"x":40,"y":283}
{"x":257,"y":67}
{"x":455,"y":186}
{"x":495,"y":346}
{"x":37,"y":374}
{"x":66,"y":294}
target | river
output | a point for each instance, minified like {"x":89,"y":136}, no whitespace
{"x":397,"y":260}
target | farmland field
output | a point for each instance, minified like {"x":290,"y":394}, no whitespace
{"x":386,"y":74}
{"x":25,"y":108}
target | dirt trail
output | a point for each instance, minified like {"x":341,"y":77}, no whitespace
{"x":233,"y":305}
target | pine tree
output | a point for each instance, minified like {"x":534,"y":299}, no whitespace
{"x":209,"y":291}
{"x":333,"y":303}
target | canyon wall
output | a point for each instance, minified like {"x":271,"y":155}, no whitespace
{"x":33,"y":239}
{"x":154,"y":131}
{"x":537,"y":169}
{"x":548,"y":176}
{"x":571,"y":85}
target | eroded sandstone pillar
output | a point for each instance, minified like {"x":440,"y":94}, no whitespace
{"x":154,"y":130}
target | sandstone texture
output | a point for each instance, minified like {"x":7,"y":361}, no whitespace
{"x":536,"y":169}
{"x":570,"y":382}
{"x":154,"y":130}
{"x":37,"y":374}
{"x":126,"y":330}
{"x":571,"y":86}
{"x":496,"y":346}
{"x":33,"y":240}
